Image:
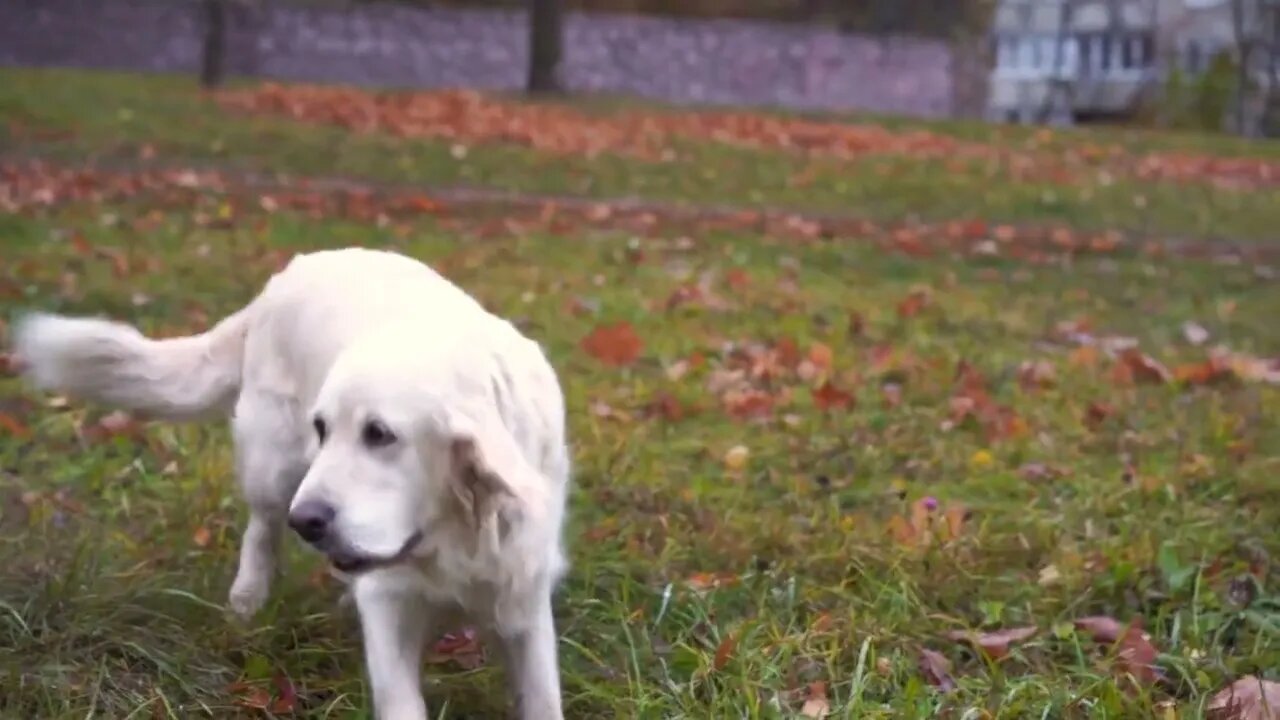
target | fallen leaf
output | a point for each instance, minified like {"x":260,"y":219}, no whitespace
{"x":912,"y":304}
{"x":286,"y":700}
{"x":1036,"y":374}
{"x":1049,"y":575}
{"x":253,"y":698}
{"x":1096,"y":414}
{"x":666,"y":406}
{"x":995,"y":644}
{"x":1040,"y":471}
{"x":936,"y":670}
{"x":1208,"y":372}
{"x":816,"y":704}
{"x":676,"y":370}
{"x":615,"y":344}
{"x":829,"y":397}
{"x":702,"y":581}
{"x":821,"y":355}
{"x":463,"y":648}
{"x":736,"y":458}
{"x":1194,"y":333}
{"x":1249,"y":698}
{"x":1143,"y":367}
{"x":747,"y":404}
{"x":1101,"y":628}
{"x":955,"y":516}
{"x":14,"y":426}
{"x":202,"y":537}
{"x":725,"y":651}
{"x":1135,"y":656}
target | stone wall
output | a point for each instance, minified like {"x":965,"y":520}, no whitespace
{"x":720,"y":62}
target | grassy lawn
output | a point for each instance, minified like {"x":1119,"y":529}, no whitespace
{"x":1149,"y":183}
{"x":822,"y":457}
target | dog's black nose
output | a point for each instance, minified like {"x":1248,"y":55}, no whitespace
{"x":311,"y":520}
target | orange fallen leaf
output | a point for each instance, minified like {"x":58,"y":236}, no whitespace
{"x":1085,"y":356}
{"x":1143,"y":368}
{"x":14,"y":426}
{"x":703,"y":581}
{"x":614,"y":344}
{"x":202,"y":537}
{"x":725,"y":651}
{"x":829,"y":397}
{"x":821,"y":355}
{"x":668,"y":407}
{"x":912,"y":304}
{"x":748,"y":404}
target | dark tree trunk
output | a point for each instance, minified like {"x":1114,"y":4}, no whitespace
{"x":213,"y":60}
{"x":546,"y":40}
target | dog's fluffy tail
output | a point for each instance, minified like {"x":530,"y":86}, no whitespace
{"x":109,"y":363}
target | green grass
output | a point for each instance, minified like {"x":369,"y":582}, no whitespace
{"x":119,"y":551}
{"x":74,"y":115}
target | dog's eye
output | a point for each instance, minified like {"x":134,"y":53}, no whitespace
{"x":322,"y":430}
{"x":377,"y":434}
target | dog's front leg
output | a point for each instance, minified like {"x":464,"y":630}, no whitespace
{"x":393,"y":620}
{"x":532,"y":667}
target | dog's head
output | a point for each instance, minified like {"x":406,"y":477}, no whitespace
{"x":396,"y":449}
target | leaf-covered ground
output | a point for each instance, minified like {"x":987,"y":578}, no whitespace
{"x":976,"y":457}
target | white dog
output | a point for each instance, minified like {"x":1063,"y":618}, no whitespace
{"x":401,"y":429}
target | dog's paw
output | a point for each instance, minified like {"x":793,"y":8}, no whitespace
{"x":247,"y":597}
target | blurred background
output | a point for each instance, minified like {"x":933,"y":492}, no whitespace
{"x":1189,"y":64}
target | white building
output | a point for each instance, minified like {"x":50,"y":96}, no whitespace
{"x":1059,"y":59}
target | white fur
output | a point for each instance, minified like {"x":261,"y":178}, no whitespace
{"x":479,"y":469}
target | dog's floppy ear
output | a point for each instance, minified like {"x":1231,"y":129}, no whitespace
{"x":481,"y":477}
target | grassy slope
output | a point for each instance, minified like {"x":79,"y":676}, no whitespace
{"x":114,"y":115}
{"x":119,"y":552}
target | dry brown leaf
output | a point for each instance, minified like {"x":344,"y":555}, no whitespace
{"x":724,"y":652}
{"x":1143,"y":368}
{"x":1249,"y":698}
{"x":1101,"y":628}
{"x":821,"y":355}
{"x":463,"y":648}
{"x":936,"y":670}
{"x":829,"y":397}
{"x":1036,"y":374}
{"x":912,"y":304}
{"x":702,"y":581}
{"x":13,"y":426}
{"x":995,"y":644}
{"x":1135,"y":656}
{"x":816,"y":704}
{"x":614,"y":344}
